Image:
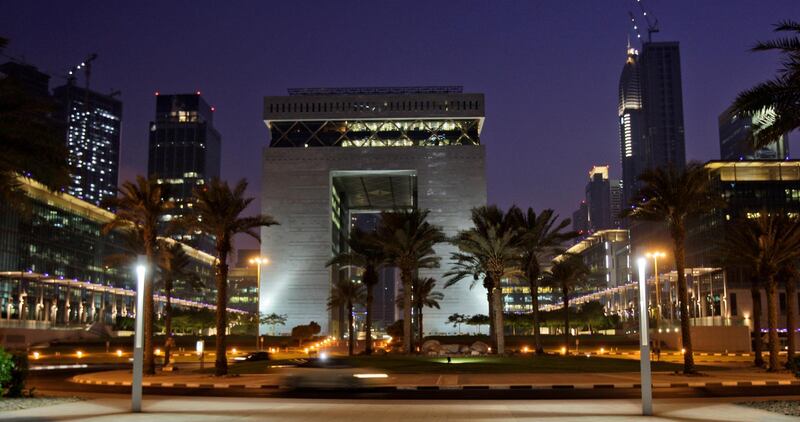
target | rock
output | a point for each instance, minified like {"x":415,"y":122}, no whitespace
{"x":431,"y":346}
{"x":464,"y":349}
{"x":451,"y":348}
{"x":480,"y":347}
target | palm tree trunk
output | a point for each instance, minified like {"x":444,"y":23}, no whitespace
{"x":498,"y":319}
{"x":407,"y":333}
{"x":772,"y":322}
{"x":368,"y":320}
{"x":490,"y":299}
{"x":791,"y":320}
{"x":537,"y":332}
{"x":679,"y":238}
{"x":167,"y":323}
{"x":565,"y":296}
{"x":221,"y":363}
{"x":755,"y":294}
{"x":149,"y":305}
{"x":350,"y":330}
{"x":419,"y":327}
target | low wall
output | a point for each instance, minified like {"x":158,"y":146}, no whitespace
{"x":724,"y":339}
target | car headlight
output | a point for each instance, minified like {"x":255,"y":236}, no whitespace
{"x":240,"y":358}
{"x":371,"y":376}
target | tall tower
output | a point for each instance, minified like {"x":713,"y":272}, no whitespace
{"x":184,"y":153}
{"x":92,"y":136}
{"x":631,"y":124}
{"x":734,"y":133}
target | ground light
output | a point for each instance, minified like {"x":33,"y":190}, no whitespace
{"x":138,"y":339}
{"x":644,"y":345}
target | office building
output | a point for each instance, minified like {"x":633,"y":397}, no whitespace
{"x":184,"y":154}
{"x":602,"y":203}
{"x":650,"y":112}
{"x":580,"y":218}
{"x":734,"y":138}
{"x":93,"y":122}
{"x":28,"y":77}
{"x":336,"y":153}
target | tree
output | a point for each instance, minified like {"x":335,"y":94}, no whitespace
{"x":217,"y":212}
{"x":423,"y":296}
{"x":788,"y":276}
{"x":767,"y":244}
{"x":407,"y":240}
{"x":139,"y":208}
{"x":542,"y":237}
{"x":457,"y":319}
{"x":478,"y":320}
{"x":490,"y":247}
{"x":273,"y":320}
{"x":567,"y":274}
{"x":174,"y":267}
{"x":31,"y":142}
{"x":346,"y":294}
{"x":305,"y":332}
{"x":777,"y":99}
{"x":367,"y":255}
{"x":672,"y":195}
{"x":468,"y":266}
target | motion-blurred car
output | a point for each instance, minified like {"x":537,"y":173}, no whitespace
{"x":252,"y":357}
{"x":332,"y":373}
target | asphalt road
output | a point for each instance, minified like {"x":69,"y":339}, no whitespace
{"x":56,"y":382}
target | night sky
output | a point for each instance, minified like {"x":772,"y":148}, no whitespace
{"x":549,"y":69}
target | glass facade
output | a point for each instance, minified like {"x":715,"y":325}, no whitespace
{"x":93,"y":124}
{"x":184,"y":154}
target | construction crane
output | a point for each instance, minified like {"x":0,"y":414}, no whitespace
{"x":652,"y":22}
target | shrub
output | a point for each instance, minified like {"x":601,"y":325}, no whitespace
{"x":13,"y":373}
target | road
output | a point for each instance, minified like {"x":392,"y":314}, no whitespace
{"x":57,"y":383}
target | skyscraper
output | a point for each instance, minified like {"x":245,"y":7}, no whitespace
{"x":184,"y":153}
{"x":650,"y":112}
{"x":28,"y":77}
{"x":92,"y":136}
{"x":598,"y":198}
{"x":734,"y":132}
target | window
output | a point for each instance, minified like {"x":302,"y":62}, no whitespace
{"x":734,"y":305}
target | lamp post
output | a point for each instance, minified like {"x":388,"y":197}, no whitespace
{"x":138,"y":352}
{"x":258,"y":261}
{"x":644,"y":346}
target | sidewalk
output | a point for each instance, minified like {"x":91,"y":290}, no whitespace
{"x":722,"y":378}
{"x":290,"y":410}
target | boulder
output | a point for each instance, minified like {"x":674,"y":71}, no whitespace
{"x":451,"y":348}
{"x":480,"y":347}
{"x":431,"y":346}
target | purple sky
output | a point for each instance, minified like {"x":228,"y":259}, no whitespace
{"x":549,"y":69}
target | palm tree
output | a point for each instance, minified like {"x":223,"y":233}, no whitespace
{"x":423,"y":297}
{"x":174,"y":267}
{"x":767,"y":243}
{"x":672,"y":195}
{"x":490,"y":247}
{"x":777,"y":99}
{"x":407,"y":240}
{"x":347,"y":294}
{"x":217,"y":212}
{"x":468,"y":266}
{"x":139,"y":208}
{"x":31,"y":142}
{"x":788,"y":277}
{"x":567,"y":274}
{"x":542,"y":237}
{"x":367,"y":255}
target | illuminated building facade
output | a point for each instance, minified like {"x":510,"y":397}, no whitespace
{"x":93,"y":123}
{"x":734,"y":132}
{"x":335,"y":154}
{"x":184,"y":154}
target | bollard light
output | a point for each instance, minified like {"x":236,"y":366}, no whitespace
{"x":138,"y":339}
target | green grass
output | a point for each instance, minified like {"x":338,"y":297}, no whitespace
{"x":484,"y":364}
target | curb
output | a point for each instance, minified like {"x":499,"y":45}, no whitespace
{"x":716,"y":384}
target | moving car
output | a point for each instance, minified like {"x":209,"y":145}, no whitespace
{"x":332,"y":373}
{"x":252,"y":357}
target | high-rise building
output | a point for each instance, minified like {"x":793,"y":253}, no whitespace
{"x":29,"y":78}
{"x":735,"y":131}
{"x":650,"y":112}
{"x":615,"y":189}
{"x":184,"y":153}
{"x":93,"y":123}
{"x":337,"y":153}
{"x":580,"y":218}
{"x":598,"y":198}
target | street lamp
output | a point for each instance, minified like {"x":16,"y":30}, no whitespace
{"x":655,"y":256}
{"x":644,"y":346}
{"x":258,"y":262}
{"x":138,"y":355}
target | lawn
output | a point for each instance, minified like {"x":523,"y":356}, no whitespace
{"x":483,"y":364}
